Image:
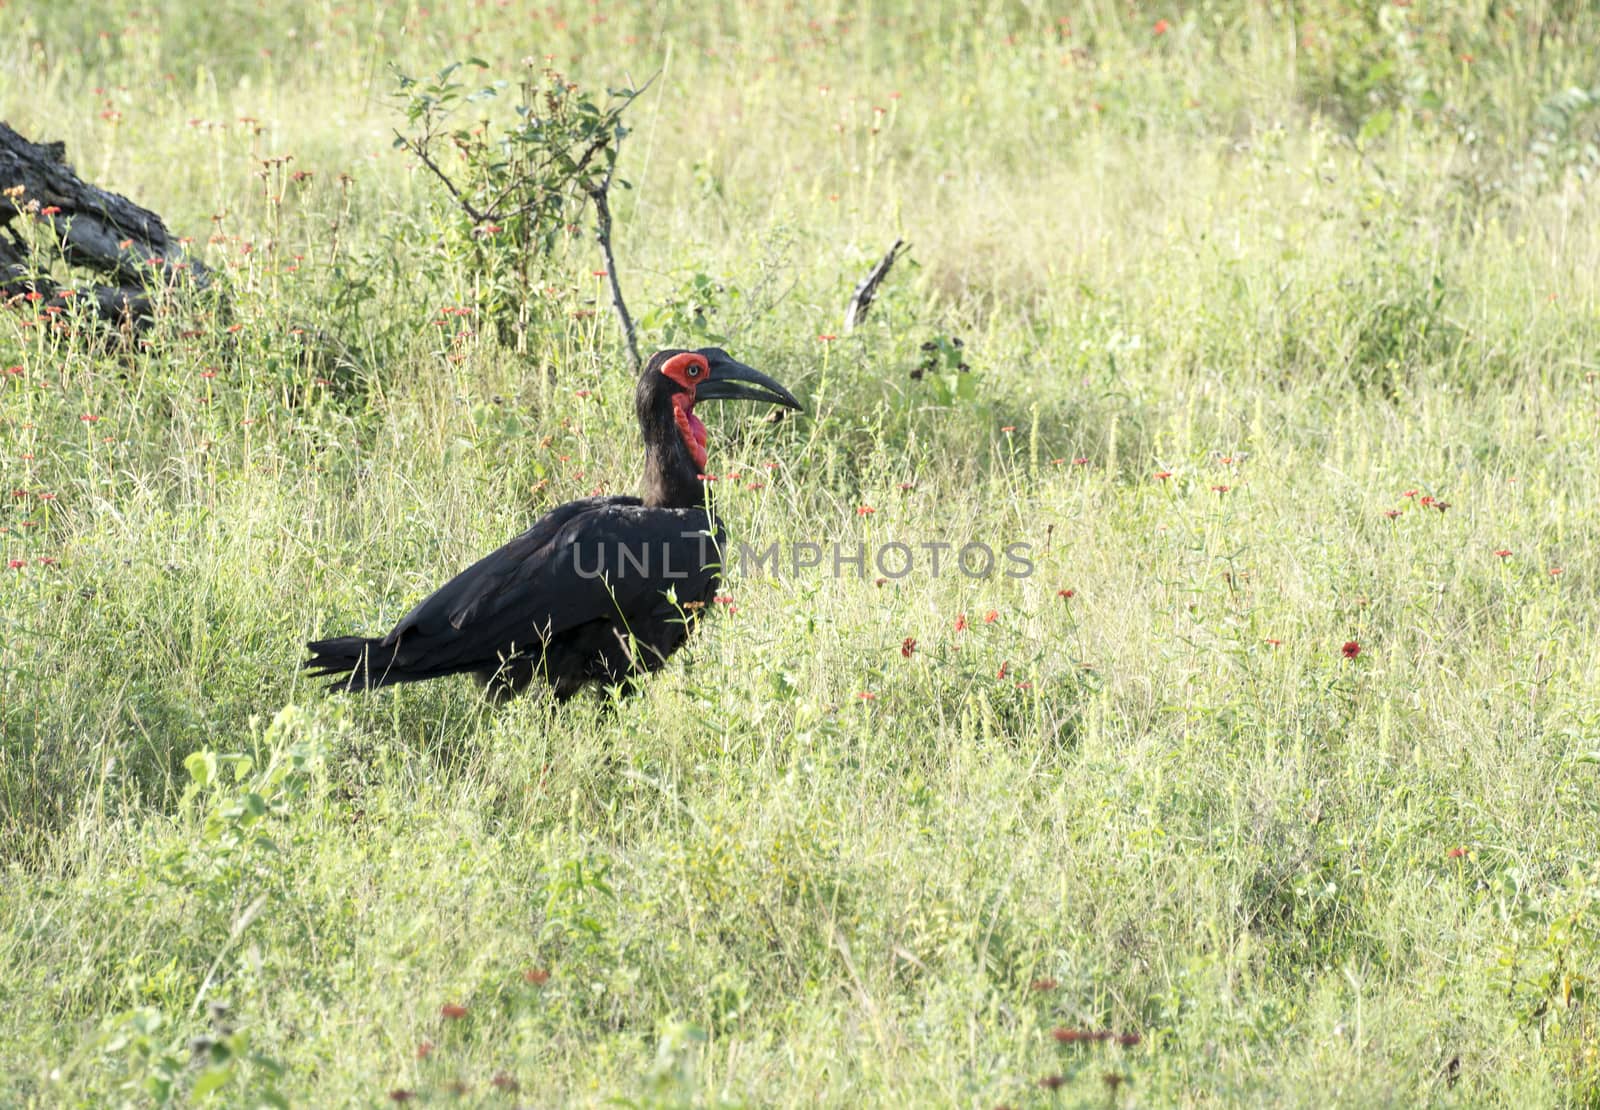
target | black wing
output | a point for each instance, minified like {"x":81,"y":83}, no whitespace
{"x":605,"y":558}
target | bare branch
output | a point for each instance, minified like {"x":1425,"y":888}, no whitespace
{"x":419,"y":149}
{"x":868,"y":289}
{"x":602,"y":210}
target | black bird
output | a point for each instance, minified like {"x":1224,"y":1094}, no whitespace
{"x":599,"y":589}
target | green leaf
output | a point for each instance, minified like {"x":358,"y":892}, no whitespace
{"x":202,"y":767}
{"x":211,"y":1080}
{"x":1375,"y":126}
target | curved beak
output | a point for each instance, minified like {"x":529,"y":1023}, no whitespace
{"x":731,"y":380}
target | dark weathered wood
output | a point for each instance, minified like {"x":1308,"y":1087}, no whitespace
{"x":98,"y":230}
{"x":868,"y":289}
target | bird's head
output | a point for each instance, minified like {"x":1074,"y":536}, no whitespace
{"x":674,"y":381}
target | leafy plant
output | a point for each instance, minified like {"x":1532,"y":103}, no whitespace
{"x":516,"y":192}
{"x":688,"y":317}
{"x":944,"y":367}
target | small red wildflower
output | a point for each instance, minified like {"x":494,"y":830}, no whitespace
{"x":1081,"y":460}
{"x":1066,"y":593}
{"x":16,"y":564}
{"x":1042,"y":985}
{"x":1351,"y":649}
{"x":1457,"y":853}
{"x":865,"y":510}
{"x":1163,"y":475}
{"x":1409,"y":493}
{"x":826,"y":338}
{"x":1071,"y":1036}
{"x":866,"y":695}
{"x":453,"y":1011}
{"x":961,"y":622}
{"x":1504,"y":552}
{"x":1425,"y":501}
{"x":50,"y":210}
{"x":908,"y":647}
{"x":89,"y":418}
{"x":1557,"y":572}
{"x":583,"y":394}
{"x":1220,"y":489}
{"x":13,"y":369}
{"x":1274,"y":643}
{"x":208,"y":374}
{"x":908,"y":485}
{"x":424,"y":1050}
{"x":1001,"y":676}
{"x":1161,"y":27}
{"x":47,"y":561}
{"x":1391,"y":513}
{"x":1008,"y":428}
{"x":538,"y":976}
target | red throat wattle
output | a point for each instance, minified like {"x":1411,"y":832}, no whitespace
{"x":690,"y":428}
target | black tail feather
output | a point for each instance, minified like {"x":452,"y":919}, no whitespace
{"x":356,"y":663}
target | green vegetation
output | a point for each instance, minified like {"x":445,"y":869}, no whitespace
{"x":1283,"y":333}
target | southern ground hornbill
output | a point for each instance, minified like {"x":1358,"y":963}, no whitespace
{"x":599,"y":589}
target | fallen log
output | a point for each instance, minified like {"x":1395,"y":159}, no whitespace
{"x":93,"y":228}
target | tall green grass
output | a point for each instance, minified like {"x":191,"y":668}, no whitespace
{"x":1325,"y":269}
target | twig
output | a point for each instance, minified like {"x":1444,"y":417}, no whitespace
{"x":868,"y":289}
{"x":240,"y":924}
{"x":602,"y":210}
{"x":422,"y":155}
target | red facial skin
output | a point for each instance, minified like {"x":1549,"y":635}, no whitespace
{"x":689,"y":370}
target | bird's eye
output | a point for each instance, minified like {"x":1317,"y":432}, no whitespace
{"x":694,"y":370}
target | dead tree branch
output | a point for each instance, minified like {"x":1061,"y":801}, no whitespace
{"x":602,"y":213}
{"x":96,"y":229}
{"x":868,"y":289}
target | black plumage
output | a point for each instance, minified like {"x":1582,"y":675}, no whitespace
{"x":605,"y":588}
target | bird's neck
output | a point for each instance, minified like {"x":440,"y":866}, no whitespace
{"x":671,"y":478}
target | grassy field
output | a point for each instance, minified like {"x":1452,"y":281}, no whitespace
{"x":1283,"y":765}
